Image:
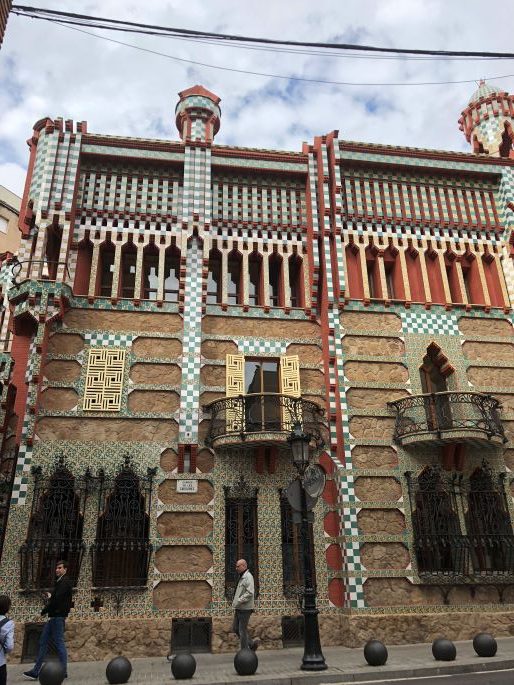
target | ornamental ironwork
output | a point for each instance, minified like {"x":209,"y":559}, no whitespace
{"x":264,"y":413}
{"x":241,"y":540}
{"x":55,"y":527}
{"x":443,"y":413}
{"x":461,"y":526}
{"x":122,"y":550}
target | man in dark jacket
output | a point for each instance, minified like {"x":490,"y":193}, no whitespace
{"x":57,"y":607}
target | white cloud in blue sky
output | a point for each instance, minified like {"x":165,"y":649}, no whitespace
{"x":55,"y":71}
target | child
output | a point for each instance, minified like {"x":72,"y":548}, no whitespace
{"x":6,"y":636}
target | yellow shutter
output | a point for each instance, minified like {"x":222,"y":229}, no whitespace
{"x":290,"y":385}
{"x":104,"y":379}
{"x":234,"y":386}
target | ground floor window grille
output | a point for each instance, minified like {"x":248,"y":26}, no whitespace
{"x":191,"y":635}
{"x":122,"y":550}
{"x":292,"y":631}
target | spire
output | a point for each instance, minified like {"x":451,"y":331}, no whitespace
{"x":197,"y":114}
{"x":488,"y":121}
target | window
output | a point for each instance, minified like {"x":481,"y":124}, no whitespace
{"x":295,"y":280}
{"x":171,"y":275}
{"x":121,"y":551}
{"x":292,"y":550}
{"x":262,"y":411}
{"x":3,"y":224}
{"x":128,"y":271}
{"x":150,"y":273}
{"x":254,"y":279}
{"x":214,"y":278}
{"x":275,"y":281}
{"x":389,"y":269}
{"x":55,"y":528}
{"x":234,"y":290}
{"x":240,"y":532}
{"x":106,"y":269}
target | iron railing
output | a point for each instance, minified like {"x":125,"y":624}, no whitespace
{"x":264,"y":413}
{"x":443,"y":412}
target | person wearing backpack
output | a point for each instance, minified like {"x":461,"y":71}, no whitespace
{"x":6,"y":636}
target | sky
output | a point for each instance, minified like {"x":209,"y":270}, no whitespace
{"x":50,"y":70}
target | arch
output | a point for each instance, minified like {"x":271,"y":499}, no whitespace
{"x":234,"y":277}
{"x":354,"y":281}
{"x":214,"y":277}
{"x":83,"y":268}
{"x":171,"y":274}
{"x":492,"y":278}
{"x":127,"y":282}
{"x":255,"y":284}
{"x":105,"y":273}
{"x":435,"y":277}
{"x":373,"y":273}
{"x":296,"y":281}
{"x":393,"y":274}
{"x":275,"y":280}
{"x":450,"y":263}
{"x":150,"y":272}
{"x":471,"y":276}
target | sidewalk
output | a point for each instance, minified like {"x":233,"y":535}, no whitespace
{"x":282,"y":667}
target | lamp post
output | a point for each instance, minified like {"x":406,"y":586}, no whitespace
{"x":313,"y":659}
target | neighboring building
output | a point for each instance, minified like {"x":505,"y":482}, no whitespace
{"x":10,"y":235}
{"x":179,"y":305}
{"x":5,"y":8}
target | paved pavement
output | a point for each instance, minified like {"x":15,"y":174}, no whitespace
{"x":282,"y":667}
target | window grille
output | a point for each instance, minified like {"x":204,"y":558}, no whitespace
{"x":191,"y":635}
{"x":122,"y":550}
{"x":293,"y":631}
{"x":240,"y":533}
{"x":292,"y":551}
{"x":55,"y":527}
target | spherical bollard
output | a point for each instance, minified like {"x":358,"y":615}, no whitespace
{"x":443,"y":650}
{"x":183,"y":666}
{"x":52,"y":673}
{"x":246,"y":662}
{"x":118,"y":670}
{"x":484,"y":644}
{"x":375,"y":653}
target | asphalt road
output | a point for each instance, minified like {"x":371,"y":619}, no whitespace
{"x":484,"y":678}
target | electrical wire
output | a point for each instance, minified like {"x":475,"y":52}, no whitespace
{"x":270,"y":75}
{"x":151,"y":29}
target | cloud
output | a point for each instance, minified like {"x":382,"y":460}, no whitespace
{"x":47,"y":69}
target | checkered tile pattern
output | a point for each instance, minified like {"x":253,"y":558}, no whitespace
{"x":257,"y":346}
{"x":107,"y":339}
{"x":191,"y":359}
{"x":425,"y":322}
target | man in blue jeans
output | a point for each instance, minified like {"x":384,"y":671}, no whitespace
{"x":57,"y":607}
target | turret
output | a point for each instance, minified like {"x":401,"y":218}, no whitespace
{"x":488,"y":121}
{"x":198,"y":115}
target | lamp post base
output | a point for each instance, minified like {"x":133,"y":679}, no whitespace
{"x":313,"y":662}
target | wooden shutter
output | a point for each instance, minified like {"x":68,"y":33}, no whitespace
{"x":234,"y":386}
{"x":290,"y":385}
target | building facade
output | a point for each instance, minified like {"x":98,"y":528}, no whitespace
{"x":9,"y":232}
{"x":176,"y":307}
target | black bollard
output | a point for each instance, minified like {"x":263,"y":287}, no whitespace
{"x":375,"y":653}
{"x":443,"y":649}
{"x":118,"y":670}
{"x":484,"y":644}
{"x":246,"y":662}
{"x":52,"y":673}
{"x":183,"y":666}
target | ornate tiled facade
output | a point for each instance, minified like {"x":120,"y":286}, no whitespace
{"x":351,"y":266}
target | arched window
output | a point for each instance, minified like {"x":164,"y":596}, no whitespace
{"x":214,"y":281}
{"x":128,"y":271}
{"x":373,"y":273}
{"x":433,"y":372}
{"x":150,"y":272}
{"x":507,"y":144}
{"x":83,"y":269}
{"x":234,"y":285}
{"x":471,"y":276}
{"x":105,"y":269}
{"x":296,"y":280}
{"x":275,"y":288}
{"x":121,"y":551}
{"x":240,"y":533}
{"x":254,"y":278}
{"x":55,"y":528}
{"x":52,"y":250}
{"x":171,"y":274}
{"x":354,"y":285}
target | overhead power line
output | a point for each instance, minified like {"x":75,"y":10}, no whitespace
{"x":104,"y":23}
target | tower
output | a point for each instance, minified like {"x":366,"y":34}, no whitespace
{"x":198,"y":115}
{"x":487,"y":121}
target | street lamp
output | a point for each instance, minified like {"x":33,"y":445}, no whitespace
{"x":313,"y":659}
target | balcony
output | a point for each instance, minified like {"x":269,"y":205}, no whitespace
{"x":445,"y":417}
{"x":262,"y":419}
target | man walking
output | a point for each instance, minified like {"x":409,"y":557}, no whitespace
{"x":57,"y":607}
{"x":243,"y":604}
{"x":6,"y":636}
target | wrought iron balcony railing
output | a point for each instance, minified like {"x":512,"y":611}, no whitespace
{"x":446,"y":416}
{"x":461,"y":556}
{"x":239,"y":418}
